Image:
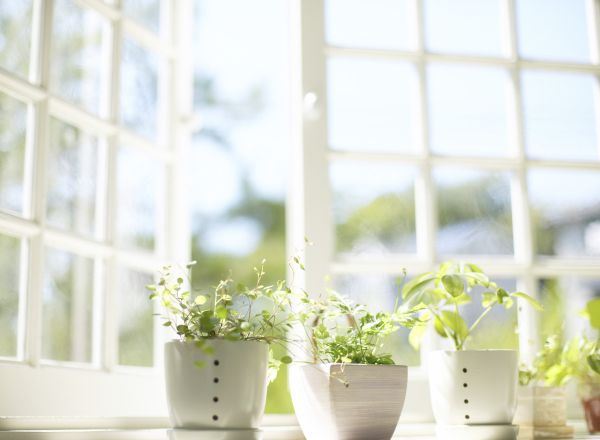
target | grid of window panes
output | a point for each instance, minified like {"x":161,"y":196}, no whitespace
{"x":468,"y":130}
{"x":84,"y":153}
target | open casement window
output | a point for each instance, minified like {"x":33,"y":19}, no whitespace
{"x":447,"y":129}
{"x":90,"y":145}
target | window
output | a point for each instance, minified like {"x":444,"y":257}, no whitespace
{"x":86,"y":158}
{"x":451,"y":137}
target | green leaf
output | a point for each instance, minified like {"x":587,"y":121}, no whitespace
{"x":200,"y":300}
{"x":221,"y":312}
{"x":415,"y":337}
{"x":438,"y":325}
{"x":454,"y":323}
{"x":417,"y":284}
{"x":199,"y":364}
{"x":286,"y":360}
{"x":488,"y":299}
{"x":167,"y":323}
{"x":534,"y":303}
{"x":179,"y":280}
{"x":460,"y":300}
{"x":453,"y":284}
{"x":593,"y":312}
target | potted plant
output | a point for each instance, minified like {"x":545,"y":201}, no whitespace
{"x":219,"y":332}
{"x":350,"y":389}
{"x":542,"y":405}
{"x":468,"y":387}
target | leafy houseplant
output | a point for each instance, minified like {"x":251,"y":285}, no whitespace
{"x":218,"y":331}
{"x":460,"y":379}
{"x":351,"y":389}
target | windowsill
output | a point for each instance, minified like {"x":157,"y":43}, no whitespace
{"x":405,"y":431}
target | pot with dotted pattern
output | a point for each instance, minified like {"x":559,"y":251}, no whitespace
{"x":227,"y":391}
{"x":473,"y":387}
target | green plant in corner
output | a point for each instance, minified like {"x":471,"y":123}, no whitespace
{"x":546,"y":366}
{"x":439,"y":296}
{"x":232,"y":311}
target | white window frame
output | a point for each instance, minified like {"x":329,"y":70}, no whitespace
{"x":105,"y":389}
{"x":310,"y":195}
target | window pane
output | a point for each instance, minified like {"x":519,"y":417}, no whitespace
{"x":468,"y":110}
{"x":72,"y":179}
{"x":379,"y":293}
{"x":498,"y":329}
{"x":75,"y":72}
{"x":372,"y":105}
{"x":13,"y":126}
{"x":136,"y":327}
{"x":553,"y":30}
{"x":464,"y":26}
{"x":10,"y":251}
{"x":67,"y":325}
{"x":15,"y":35}
{"x":565,"y":211}
{"x":139,"y":181}
{"x":146,"y":12}
{"x":560,"y":116}
{"x":563,"y":299}
{"x":374,"y":208}
{"x":474,"y":211}
{"x":139,"y":89}
{"x":380,"y":24}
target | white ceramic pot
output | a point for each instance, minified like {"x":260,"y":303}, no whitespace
{"x":348,"y":402}
{"x":473,"y":387}
{"x":228,"y":392}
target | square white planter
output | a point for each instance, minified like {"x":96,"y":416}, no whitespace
{"x":348,"y":401}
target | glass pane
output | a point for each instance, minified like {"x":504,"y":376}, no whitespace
{"x":67,"y":327}
{"x":560,"y":115}
{"x":380,"y":24}
{"x":474,"y":212}
{"x":146,"y":12}
{"x":139,"y":89}
{"x":472,"y":27}
{"x":15,"y":35}
{"x":565,"y":211}
{"x":139,"y":182}
{"x":563,"y":299}
{"x":72,"y":179}
{"x":136,"y":324}
{"x":379,"y":293}
{"x":13,"y":127}
{"x":372,"y":105}
{"x":374,"y":208}
{"x":498,"y":329}
{"x":242,"y":145}
{"x":468,"y":110}
{"x":553,"y":30}
{"x":10,"y":251}
{"x":75,"y":73}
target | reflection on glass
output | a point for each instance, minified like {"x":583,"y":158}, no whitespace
{"x":474,"y":212}
{"x":560,"y":115}
{"x":13,"y":126}
{"x":15,"y":35}
{"x":379,"y":24}
{"x":146,"y":12}
{"x":72,"y":178}
{"x":565,"y":211}
{"x":379,"y":293}
{"x":76,"y":51}
{"x":10,"y":250}
{"x":498,"y":329}
{"x":373,"y":207}
{"x":556,"y":30}
{"x":471,"y":27}
{"x":139,"y":89}
{"x":136,"y":334}
{"x":67,"y":324}
{"x":468,"y":110}
{"x":139,"y":178}
{"x":372,"y":105}
{"x":238,"y":160}
{"x":563,"y":299}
